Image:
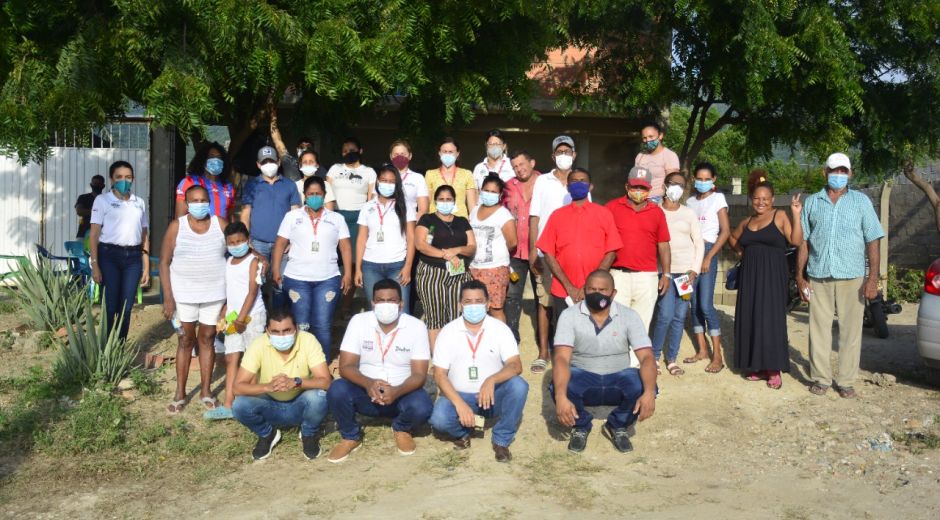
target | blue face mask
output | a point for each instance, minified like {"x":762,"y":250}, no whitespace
{"x":386,"y":189}
{"x":474,"y":313}
{"x":314,"y":202}
{"x":578,"y":190}
{"x":214,"y":165}
{"x":489,"y":198}
{"x":651,"y":145}
{"x":238,"y":251}
{"x":448,"y":159}
{"x":445,"y":208}
{"x":123,"y":186}
{"x":199,"y":210}
{"x":837,"y":181}
{"x":282,"y":343}
{"x":704,"y":186}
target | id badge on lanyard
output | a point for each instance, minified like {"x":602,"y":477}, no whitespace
{"x":473,"y":372}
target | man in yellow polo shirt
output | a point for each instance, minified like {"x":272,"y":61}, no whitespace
{"x":282,"y":381}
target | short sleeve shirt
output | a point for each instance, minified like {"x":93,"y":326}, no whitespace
{"x":491,"y":243}
{"x":462,"y":182}
{"x":386,"y":357}
{"x":269,"y":202}
{"x":706,"y":210}
{"x":265,"y":361}
{"x":312,"y":256}
{"x":503,"y":169}
{"x":515,"y":201}
{"x":548,"y":195}
{"x":414,"y":186}
{"x":640,"y":232}
{"x":602,"y":350}
{"x":659,"y":164}
{"x":837,"y":234}
{"x":453,"y":353}
{"x":382,"y":222}
{"x":221,"y":194}
{"x":444,"y":235}
{"x":122,"y":221}
{"x":351,"y":185}
{"x":85,"y":201}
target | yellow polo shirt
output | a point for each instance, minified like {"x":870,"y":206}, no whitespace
{"x":463,"y":182}
{"x":266,"y":362}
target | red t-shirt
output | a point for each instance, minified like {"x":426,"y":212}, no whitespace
{"x":578,"y":237}
{"x":640,"y":232}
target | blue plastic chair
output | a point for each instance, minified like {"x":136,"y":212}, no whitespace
{"x":80,"y":266}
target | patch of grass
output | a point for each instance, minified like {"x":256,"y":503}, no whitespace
{"x":917,"y":441}
{"x":445,"y":461}
{"x":99,"y":422}
{"x":8,"y":306}
{"x":33,"y":407}
{"x":7,"y":339}
{"x":565,"y":476}
{"x":144,"y":381}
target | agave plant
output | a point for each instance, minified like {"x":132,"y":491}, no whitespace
{"x":49,"y":296}
{"x":94,"y":355}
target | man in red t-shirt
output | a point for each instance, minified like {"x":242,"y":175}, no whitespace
{"x":578,"y":239}
{"x":645,"y":236}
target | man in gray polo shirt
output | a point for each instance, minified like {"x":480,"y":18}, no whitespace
{"x":603,"y":356}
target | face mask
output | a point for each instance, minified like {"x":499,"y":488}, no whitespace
{"x":578,"y":190}
{"x":269,"y":169}
{"x":638,"y":196}
{"x":564,"y":162}
{"x":123,"y":186}
{"x":401,"y":162}
{"x":199,"y":210}
{"x":474,"y":313}
{"x":448,"y":159}
{"x":214,"y":165}
{"x":386,"y":189}
{"x":495,"y":151}
{"x":238,"y":251}
{"x":837,"y":181}
{"x":314,"y":202}
{"x":386,"y":312}
{"x":674,"y":193}
{"x":704,"y":186}
{"x":597,"y":301}
{"x":351,"y":157}
{"x":651,"y":145}
{"x":308,"y":170}
{"x":489,"y":199}
{"x":445,"y":208}
{"x":282,"y":343}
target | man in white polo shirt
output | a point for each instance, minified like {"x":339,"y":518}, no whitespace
{"x":383,"y":362}
{"x":477,"y":367}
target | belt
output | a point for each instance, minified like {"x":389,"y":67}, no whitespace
{"x":125,"y":248}
{"x":624,"y":270}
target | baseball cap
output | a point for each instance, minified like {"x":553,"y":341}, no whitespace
{"x":639,"y":177}
{"x":838,"y":160}
{"x":267,"y":152}
{"x":562,"y":139}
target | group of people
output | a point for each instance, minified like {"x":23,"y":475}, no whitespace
{"x":613,"y":285}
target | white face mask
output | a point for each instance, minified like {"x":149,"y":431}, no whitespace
{"x":386,"y":312}
{"x":564,"y":162}
{"x":269,"y":169}
{"x":674,"y":193}
{"x":308,"y":170}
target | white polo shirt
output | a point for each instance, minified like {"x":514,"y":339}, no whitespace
{"x":407,"y":342}
{"x":312,"y":258}
{"x":503,"y":168}
{"x":453,"y":353}
{"x":383,"y":223}
{"x":122,"y":221}
{"x":414,"y":186}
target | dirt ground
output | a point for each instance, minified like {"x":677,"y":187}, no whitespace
{"x":718,"y":446}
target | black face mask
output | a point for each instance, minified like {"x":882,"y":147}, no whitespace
{"x":597,"y":301}
{"x":351,"y":157}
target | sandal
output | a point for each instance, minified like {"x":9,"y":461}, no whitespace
{"x":774,"y":381}
{"x":674,"y":369}
{"x":209,"y":402}
{"x":712,"y":369}
{"x":756,"y":376}
{"x":176,"y":407}
{"x":219,"y":413}
{"x":538,"y":366}
{"x":818,"y":389}
{"x":693,"y":359}
{"x":847,"y":392}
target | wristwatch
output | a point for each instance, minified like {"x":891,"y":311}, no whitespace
{"x":297,"y":382}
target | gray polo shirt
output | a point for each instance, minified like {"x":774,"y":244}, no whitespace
{"x":602,"y":350}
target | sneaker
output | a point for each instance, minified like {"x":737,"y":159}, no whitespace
{"x":462,"y":443}
{"x":342,"y":450}
{"x":578,"y":440}
{"x":619,"y":437}
{"x":265,"y":445}
{"x":502,"y":453}
{"x":311,"y":446}
{"x":405,"y":443}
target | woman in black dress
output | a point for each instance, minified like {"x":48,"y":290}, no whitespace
{"x":760,"y":316}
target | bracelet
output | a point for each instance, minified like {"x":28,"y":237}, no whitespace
{"x":667,"y":275}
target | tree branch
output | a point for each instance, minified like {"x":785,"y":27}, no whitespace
{"x":688,"y":133}
{"x":275,"y":129}
{"x":926,"y":187}
{"x":704,"y":134}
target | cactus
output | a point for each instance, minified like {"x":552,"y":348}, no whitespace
{"x":94,"y":356}
{"x":49,"y":296}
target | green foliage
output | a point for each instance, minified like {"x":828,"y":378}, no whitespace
{"x":97,"y":423}
{"x":29,"y":409}
{"x":94,"y":356}
{"x":144,"y":381}
{"x":49,"y":296}
{"x":905,"y":285}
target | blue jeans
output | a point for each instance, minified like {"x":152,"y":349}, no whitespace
{"x":346,"y":399}
{"x":703,"y":299}
{"x":262,"y":413}
{"x":671,"y":311}
{"x":313,"y":305}
{"x":273,"y":295}
{"x":121,"y":270}
{"x":509,"y":401}
{"x":373,"y":272}
{"x":621,"y":389}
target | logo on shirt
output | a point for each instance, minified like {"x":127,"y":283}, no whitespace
{"x":368,"y":345}
{"x":402,"y":349}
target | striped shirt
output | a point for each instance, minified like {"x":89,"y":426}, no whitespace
{"x":221,"y":194}
{"x":837,"y":234}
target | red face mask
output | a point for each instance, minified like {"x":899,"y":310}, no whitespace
{"x":401,"y":162}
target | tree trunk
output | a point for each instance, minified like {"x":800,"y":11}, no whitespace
{"x":926,"y":187}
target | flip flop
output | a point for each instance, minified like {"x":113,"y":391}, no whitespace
{"x":176,"y":407}
{"x":756,"y":376}
{"x":847,"y":392}
{"x":692,"y":360}
{"x":209,"y":402}
{"x":818,"y":389}
{"x":711,"y":370}
{"x":538,"y":366}
{"x":219,"y":413}
{"x":775,"y":381}
{"x":674,"y":369}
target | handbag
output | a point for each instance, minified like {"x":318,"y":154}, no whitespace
{"x":731,"y":277}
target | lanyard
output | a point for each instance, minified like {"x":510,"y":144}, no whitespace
{"x":497,"y":170}
{"x":405,"y":176}
{"x":315,"y":222}
{"x":385,"y":349}
{"x":473,"y":348}
{"x":383,"y":213}
{"x":452,"y":178}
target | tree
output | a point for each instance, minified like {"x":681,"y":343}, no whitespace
{"x":74,"y":64}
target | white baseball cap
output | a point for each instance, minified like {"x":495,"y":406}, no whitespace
{"x":838,"y":160}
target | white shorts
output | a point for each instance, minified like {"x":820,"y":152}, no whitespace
{"x":204,"y":313}
{"x":235,"y":343}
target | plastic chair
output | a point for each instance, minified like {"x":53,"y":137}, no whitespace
{"x":80,"y":266}
{"x":71,"y":263}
